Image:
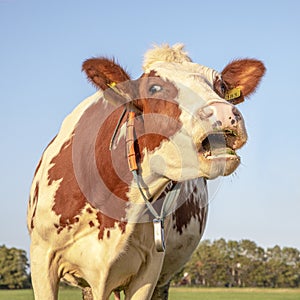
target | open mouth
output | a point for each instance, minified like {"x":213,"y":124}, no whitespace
{"x":219,"y":144}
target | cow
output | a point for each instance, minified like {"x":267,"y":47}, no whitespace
{"x":119,"y":198}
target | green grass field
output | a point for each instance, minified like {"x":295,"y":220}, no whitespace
{"x":181,"y":294}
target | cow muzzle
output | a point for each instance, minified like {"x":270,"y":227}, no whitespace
{"x":225,"y":133}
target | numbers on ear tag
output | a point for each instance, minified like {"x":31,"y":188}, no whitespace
{"x":232,"y":94}
{"x":159,"y":235}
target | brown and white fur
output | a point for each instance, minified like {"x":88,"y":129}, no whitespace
{"x":81,"y":228}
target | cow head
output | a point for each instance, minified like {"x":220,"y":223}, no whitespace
{"x":189,"y":130}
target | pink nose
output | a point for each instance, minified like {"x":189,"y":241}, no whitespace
{"x":222,"y":115}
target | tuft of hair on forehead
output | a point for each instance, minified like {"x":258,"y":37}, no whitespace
{"x":165,"y":53}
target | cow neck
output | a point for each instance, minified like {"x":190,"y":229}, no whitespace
{"x":171,"y":196}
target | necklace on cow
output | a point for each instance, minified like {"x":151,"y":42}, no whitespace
{"x":172,"y":195}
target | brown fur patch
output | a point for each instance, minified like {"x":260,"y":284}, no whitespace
{"x":106,"y":223}
{"x":38,"y":166}
{"x":69,"y":200}
{"x":112,"y":165}
{"x":161,"y":112}
{"x":34,"y":203}
{"x":40,"y":161}
{"x":191,"y":208}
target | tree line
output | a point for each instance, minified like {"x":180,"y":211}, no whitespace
{"x":216,"y":263}
{"x":242,"y":263}
{"x":14,"y":269}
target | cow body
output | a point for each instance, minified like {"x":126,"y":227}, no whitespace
{"x":86,"y":215}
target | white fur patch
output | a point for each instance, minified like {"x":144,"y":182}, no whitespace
{"x":165,"y":53}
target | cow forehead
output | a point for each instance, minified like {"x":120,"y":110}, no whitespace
{"x":182,"y":71}
{"x":194,"y":82}
{"x":192,"y":75}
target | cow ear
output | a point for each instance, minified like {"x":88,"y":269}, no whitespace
{"x":243,"y":74}
{"x":104,"y":72}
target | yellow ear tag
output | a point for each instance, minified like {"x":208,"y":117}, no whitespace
{"x":232,"y":94}
{"x":111,"y":85}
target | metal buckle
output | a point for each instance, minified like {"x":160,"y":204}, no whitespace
{"x":159,"y":235}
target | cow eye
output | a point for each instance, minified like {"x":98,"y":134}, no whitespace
{"x":155,"y":88}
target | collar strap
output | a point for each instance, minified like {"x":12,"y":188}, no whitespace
{"x":171,"y":197}
{"x":128,"y":99}
{"x":130,"y":137}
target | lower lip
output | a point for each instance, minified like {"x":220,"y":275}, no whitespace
{"x":225,"y":156}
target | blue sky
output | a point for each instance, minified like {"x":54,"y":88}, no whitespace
{"x":44,"y":43}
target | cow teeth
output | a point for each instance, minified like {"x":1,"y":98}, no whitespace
{"x":207,"y":154}
{"x":221,"y":152}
